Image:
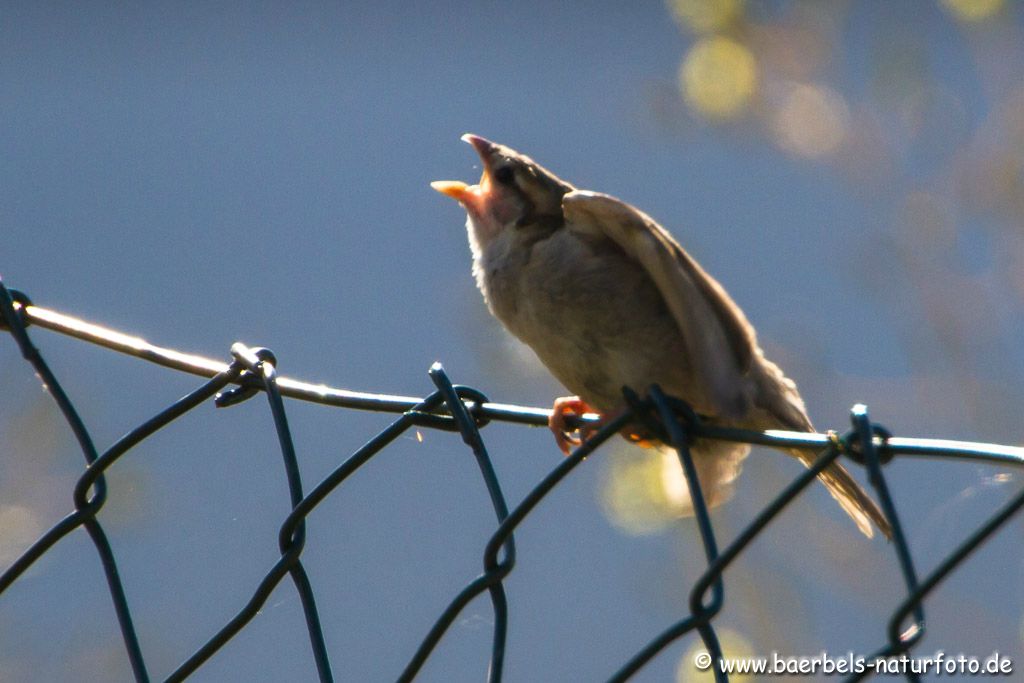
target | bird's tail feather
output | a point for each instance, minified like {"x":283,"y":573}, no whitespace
{"x":850,"y":496}
{"x":718,"y":463}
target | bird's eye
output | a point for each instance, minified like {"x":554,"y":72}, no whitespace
{"x":504,"y":175}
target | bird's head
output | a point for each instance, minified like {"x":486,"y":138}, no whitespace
{"x":513,"y":192}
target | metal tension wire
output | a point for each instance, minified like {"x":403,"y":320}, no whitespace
{"x":501,"y":412}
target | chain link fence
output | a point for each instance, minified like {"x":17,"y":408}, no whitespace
{"x":465,"y":410}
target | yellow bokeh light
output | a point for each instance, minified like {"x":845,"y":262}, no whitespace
{"x":810,"y":121}
{"x":973,"y":10}
{"x":734,"y":646}
{"x":704,"y":16}
{"x":644,"y":490}
{"x":718,"y":77}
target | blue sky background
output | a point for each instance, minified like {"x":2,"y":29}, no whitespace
{"x":207,"y":173}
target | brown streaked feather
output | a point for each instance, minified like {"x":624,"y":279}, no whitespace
{"x":850,"y":496}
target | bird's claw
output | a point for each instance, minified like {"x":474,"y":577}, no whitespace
{"x":565,"y":437}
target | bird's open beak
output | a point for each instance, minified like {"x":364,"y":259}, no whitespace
{"x":469,"y":195}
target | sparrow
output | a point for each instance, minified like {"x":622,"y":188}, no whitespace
{"x":607,"y":299}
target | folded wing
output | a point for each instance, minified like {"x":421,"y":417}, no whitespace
{"x":715,"y":332}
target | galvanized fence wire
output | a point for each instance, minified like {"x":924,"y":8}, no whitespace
{"x":465,"y":410}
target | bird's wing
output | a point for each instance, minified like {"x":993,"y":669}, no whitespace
{"x":709,"y":321}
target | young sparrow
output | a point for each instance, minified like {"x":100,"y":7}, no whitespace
{"x":607,"y":298}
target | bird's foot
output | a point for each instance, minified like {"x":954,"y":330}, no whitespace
{"x":568,"y":438}
{"x":565,"y":437}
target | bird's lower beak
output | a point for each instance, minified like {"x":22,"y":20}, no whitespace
{"x":456,"y":189}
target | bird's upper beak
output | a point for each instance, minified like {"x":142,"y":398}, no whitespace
{"x":470,"y":196}
{"x":483,"y":146}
